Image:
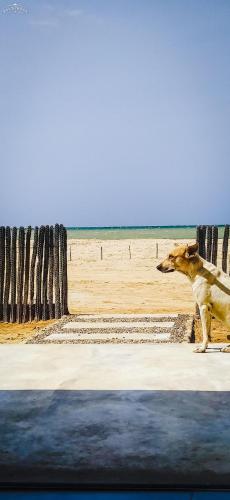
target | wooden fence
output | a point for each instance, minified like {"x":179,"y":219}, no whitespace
{"x":33,"y":273}
{"x":207,"y":238}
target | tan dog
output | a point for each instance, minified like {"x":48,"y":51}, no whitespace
{"x":211,"y":287}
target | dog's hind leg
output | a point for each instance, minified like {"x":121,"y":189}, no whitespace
{"x":205,"y":317}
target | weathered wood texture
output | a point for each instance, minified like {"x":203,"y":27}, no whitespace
{"x":225,"y":249}
{"x":207,"y":239}
{"x":33,"y":273}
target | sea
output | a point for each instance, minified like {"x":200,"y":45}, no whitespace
{"x":135,"y":232}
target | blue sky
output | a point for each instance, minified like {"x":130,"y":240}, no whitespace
{"x":115,"y":112}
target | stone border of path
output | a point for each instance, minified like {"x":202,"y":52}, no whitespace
{"x":180,"y":331}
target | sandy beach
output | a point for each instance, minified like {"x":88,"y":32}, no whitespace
{"x":118,"y":283}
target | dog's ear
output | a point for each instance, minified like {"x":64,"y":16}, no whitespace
{"x":191,"y":250}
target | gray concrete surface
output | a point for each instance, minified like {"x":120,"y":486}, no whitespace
{"x":109,"y":414}
{"x":130,"y":437}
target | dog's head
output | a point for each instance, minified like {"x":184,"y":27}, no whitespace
{"x":181,"y":258}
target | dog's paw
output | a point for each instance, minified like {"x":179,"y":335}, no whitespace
{"x":200,"y":348}
{"x":226,"y":349}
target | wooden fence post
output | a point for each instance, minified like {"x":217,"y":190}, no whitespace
{"x":21,"y":252}
{"x":200,"y":237}
{"x":62,"y":250}
{"x":32,"y":273}
{"x":7,"y":275}
{"x":209,"y":243}
{"x":65,"y":275}
{"x":27,"y":275}
{"x":2,"y":268}
{"x":63,"y":268}
{"x":13,"y":314}
{"x":214,"y":244}
{"x":130,"y":255}
{"x":225,"y":249}
{"x":201,"y":232}
{"x":203,"y":241}
{"x":38,"y":311}
{"x":45,"y":274}
{"x":51,"y":273}
{"x":156,"y":250}
{"x":56,"y":272}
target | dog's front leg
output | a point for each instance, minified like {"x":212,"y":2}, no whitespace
{"x":205,"y":317}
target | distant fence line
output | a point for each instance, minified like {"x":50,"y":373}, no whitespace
{"x":33,"y":273}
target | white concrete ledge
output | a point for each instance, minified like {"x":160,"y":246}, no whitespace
{"x":113,"y":367}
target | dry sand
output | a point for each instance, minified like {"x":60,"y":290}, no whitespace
{"x":15,"y":333}
{"x":218,"y":332}
{"x":118,"y":283}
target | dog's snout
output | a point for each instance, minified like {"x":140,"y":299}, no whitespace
{"x":159,"y":267}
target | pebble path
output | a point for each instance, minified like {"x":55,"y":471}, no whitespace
{"x":117,"y":328}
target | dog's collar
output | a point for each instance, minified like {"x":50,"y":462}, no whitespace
{"x":205,"y":273}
